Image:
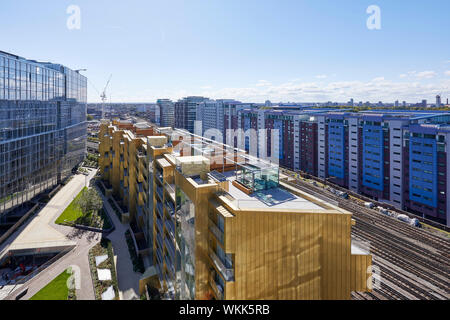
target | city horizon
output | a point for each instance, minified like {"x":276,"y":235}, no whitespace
{"x":224,"y":51}
{"x":247,"y":151}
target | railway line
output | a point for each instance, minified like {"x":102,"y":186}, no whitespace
{"x":413,"y":263}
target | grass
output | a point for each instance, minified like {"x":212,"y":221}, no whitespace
{"x":57,"y":289}
{"x":72,"y":212}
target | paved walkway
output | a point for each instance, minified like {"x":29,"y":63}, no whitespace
{"x":127,"y":279}
{"x":78,"y":259}
{"x":84,"y":240}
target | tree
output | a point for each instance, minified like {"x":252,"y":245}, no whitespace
{"x":89,"y":202}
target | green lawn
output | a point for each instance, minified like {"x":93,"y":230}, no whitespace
{"x":71,"y":213}
{"x":56,"y":290}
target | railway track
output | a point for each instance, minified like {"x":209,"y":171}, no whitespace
{"x":413,"y":262}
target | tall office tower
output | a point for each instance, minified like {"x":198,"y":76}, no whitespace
{"x":438,"y":101}
{"x":396,"y":104}
{"x":424,"y":103}
{"x":167,"y":112}
{"x":210,"y":113}
{"x":351,"y":102}
{"x":186,"y":112}
{"x":42,"y":127}
{"x":218,"y":230}
{"x":404,"y":103}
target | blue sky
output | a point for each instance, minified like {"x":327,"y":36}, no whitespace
{"x":252,"y":50}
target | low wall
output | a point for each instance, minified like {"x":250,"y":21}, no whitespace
{"x":18,"y":223}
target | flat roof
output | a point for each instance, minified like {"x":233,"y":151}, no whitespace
{"x":356,"y":249}
{"x":163,"y":163}
{"x":274,"y":198}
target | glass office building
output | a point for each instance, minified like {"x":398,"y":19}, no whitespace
{"x":42,"y":127}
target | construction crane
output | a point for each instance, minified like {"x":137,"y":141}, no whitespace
{"x":103,"y":97}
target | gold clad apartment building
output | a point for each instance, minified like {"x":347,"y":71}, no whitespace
{"x":213,"y":222}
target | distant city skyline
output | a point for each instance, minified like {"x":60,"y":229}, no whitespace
{"x":298,"y":51}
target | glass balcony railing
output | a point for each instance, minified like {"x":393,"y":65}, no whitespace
{"x":170,"y":247}
{"x":159,"y":257}
{"x":159,"y":175}
{"x":160,"y":242}
{"x":215,"y":285}
{"x":169,"y":265}
{"x":160,"y":225}
{"x":170,"y":228}
{"x":227,"y":273}
{"x":159,"y":208}
{"x":170,"y":208}
{"x":216,"y":231}
{"x":170,"y":189}
{"x":160,"y":274}
{"x":159,"y":191}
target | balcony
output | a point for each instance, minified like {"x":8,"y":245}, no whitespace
{"x":159,"y":208}
{"x":170,"y":208}
{"x":170,"y":247}
{"x":218,"y":234}
{"x":159,"y":191}
{"x":143,"y":165}
{"x":216,"y":286}
{"x":159,"y":178}
{"x":159,"y":257}
{"x":170,"y":228}
{"x":227,"y":273}
{"x":160,"y":274}
{"x":159,"y":175}
{"x":160,"y":243}
{"x":160,"y":225}
{"x":170,"y":189}
{"x":140,"y":155}
{"x":169,"y":265}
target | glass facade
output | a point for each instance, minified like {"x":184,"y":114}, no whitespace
{"x":258,"y":178}
{"x":185,"y":237}
{"x":42,"y":127}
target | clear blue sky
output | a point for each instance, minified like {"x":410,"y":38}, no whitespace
{"x":290,"y":50}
